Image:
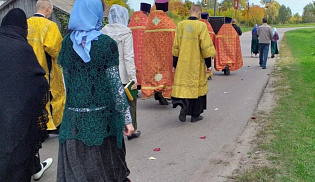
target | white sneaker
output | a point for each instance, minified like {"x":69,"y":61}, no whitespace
{"x":45,"y":165}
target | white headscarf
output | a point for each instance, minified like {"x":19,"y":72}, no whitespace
{"x":274,"y":30}
{"x":118,"y":14}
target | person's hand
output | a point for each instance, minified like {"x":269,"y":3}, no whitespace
{"x":174,"y":69}
{"x":134,"y":86}
{"x":129,"y":129}
{"x":209,"y":70}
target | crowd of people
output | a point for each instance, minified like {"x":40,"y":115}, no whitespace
{"x":262,"y":36}
{"x":76,"y":85}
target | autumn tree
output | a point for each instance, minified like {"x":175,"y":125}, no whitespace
{"x":227,"y":4}
{"x":295,"y":19}
{"x":254,"y":15}
{"x":272,"y":10}
{"x":188,"y":4}
{"x":178,"y":7}
{"x":118,"y":2}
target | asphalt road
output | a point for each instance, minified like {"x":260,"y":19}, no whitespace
{"x":231,"y":102}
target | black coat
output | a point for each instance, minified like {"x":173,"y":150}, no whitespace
{"x":23,"y":89}
{"x":237,"y":29}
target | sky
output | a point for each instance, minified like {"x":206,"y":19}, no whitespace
{"x":296,"y":6}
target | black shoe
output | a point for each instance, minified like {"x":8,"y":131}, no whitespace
{"x":134,"y":135}
{"x":196,"y":118}
{"x":163,"y":101}
{"x":209,"y":78}
{"x":55,"y":132}
{"x":264,"y":67}
{"x":182,"y":115}
{"x":272,"y":56}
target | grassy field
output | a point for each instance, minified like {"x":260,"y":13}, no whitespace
{"x":288,"y":135}
{"x":246,"y":28}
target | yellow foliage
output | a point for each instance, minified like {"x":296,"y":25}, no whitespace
{"x":119,"y":2}
{"x":254,"y":15}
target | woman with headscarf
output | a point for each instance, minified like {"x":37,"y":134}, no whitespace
{"x":118,"y":30}
{"x":255,"y":41}
{"x":274,"y":44}
{"x":23,"y":96}
{"x":91,"y":144}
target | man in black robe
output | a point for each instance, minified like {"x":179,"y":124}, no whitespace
{"x":237,"y":28}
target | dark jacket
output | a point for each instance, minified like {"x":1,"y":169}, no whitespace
{"x":237,"y":29}
{"x":23,"y":89}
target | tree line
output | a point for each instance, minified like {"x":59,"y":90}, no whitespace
{"x":247,"y":14}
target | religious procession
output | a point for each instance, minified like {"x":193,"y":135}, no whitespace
{"x":85,"y":86}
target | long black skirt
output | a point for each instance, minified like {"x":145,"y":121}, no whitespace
{"x":193,"y":107}
{"x":78,"y":162}
{"x":255,"y":46}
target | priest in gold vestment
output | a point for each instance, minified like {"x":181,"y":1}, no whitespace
{"x":192,"y":51}
{"x":45,"y":38}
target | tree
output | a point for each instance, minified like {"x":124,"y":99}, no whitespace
{"x":296,"y":18}
{"x":272,"y":10}
{"x":177,"y":7}
{"x":119,"y":2}
{"x":254,"y":15}
{"x":308,"y":13}
{"x":284,"y":14}
{"x":188,"y":4}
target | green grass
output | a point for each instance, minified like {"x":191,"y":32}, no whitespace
{"x":289,"y":133}
{"x":245,"y":28}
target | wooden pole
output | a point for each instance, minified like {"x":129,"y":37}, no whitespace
{"x":248,"y":14}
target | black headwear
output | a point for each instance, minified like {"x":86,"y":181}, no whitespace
{"x":204,"y":16}
{"x":228,"y":20}
{"x":145,"y":7}
{"x":161,"y":5}
{"x":15,"y":17}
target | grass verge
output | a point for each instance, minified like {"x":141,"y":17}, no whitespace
{"x":288,"y":135}
{"x":246,"y":28}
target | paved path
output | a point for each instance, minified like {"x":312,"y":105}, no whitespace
{"x":231,"y":101}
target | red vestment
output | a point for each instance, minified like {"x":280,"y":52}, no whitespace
{"x":228,"y":47}
{"x":210,"y":29}
{"x":137,"y":25}
{"x":157,"y":62}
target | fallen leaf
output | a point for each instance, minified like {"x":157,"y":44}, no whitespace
{"x":157,"y":149}
{"x":253,"y":117}
{"x":151,"y":158}
{"x":203,"y":137}
{"x":268,"y":74}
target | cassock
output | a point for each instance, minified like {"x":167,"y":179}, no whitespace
{"x":137,"y":25}
{"x":45,"y":38}
{"x":157,"y":74}
{"x":192,"y":45}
